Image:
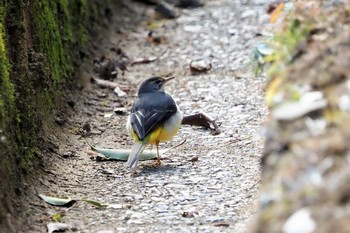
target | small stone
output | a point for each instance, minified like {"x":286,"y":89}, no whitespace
{"x":135,"y":221}
{"x":215,"y":219}
{"x":59,"y":120}
{"x":161,"y":207}
{"x":192,"y":28}
{"x":68,"y":154}
{"x":232,"y":31}
{"x":119,"y":92}
{"x":190,"y":213}
{"x":108,"y":115}
{"x":120,"y":111}
{"x":300,"y":222}
{"x":115,"y":206}
{"x":108,"y":171}
{"x":56,"y":227}
{"x":200,"y":66}
{"x":194,"y":158}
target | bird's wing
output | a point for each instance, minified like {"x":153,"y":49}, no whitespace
{"x":149,"y":111}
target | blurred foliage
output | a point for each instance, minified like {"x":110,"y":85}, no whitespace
{"x":293,"y":32}
{"x":305,"y":164}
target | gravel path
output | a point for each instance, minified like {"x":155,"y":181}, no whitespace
{"x":220,"y":189}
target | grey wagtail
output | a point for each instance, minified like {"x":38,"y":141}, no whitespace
{"x":154,"y":118}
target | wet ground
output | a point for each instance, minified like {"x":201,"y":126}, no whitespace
{"x":220,"y":188}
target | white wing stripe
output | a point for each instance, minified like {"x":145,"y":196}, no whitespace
{"x":140,"y":113}
{"x":138,"y":119}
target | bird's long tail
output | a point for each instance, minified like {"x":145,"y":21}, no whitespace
{"x":135,"y":155}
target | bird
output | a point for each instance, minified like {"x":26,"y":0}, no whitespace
{"x":154,"y":118}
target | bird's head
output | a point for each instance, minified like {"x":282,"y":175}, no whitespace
{"x":153,"y":84}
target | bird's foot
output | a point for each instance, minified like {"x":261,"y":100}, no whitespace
{"x":158,"y":162}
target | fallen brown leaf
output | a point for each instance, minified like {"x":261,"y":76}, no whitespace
{"x":201,"y":119}
{"x":108,"y":84}
{"x":142,"y":60}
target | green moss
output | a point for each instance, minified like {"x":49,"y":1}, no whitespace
{"x":40,"y":41}
{"x":285,"y":45}
{"x":49,"y":34}
{"x":7,"y":89}
{"x":61,"y":30}
{"x":8,"y":111}
{"x":48,"y":37}
{"x":27,"y":160}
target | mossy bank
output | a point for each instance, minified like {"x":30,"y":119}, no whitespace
{"x":41,"y":43}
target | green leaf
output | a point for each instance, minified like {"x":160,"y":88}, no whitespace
{"x":56,"y":217}
{"x":122,"y":154}
{"x":57,"y":201}
{"x":95,"y":203}
{"x":67,"y":203}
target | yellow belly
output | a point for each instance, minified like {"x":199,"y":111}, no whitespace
{"x":164,"y":132}
{"x":161,"y":135}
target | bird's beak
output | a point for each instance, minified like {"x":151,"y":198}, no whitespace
{"x":168,"y":79}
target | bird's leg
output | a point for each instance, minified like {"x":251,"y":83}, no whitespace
{"x":158,"y":159}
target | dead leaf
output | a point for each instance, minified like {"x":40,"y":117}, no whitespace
{"x":108,"y":84}
{"x":276,"y":12}
{"x":201,"y":119}
{"x":142,"y":60}
{"x":221,"y":224}
{"x":104,"y":83}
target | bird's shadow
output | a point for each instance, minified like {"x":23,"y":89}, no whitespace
{"x":150,"y":169}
